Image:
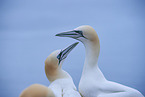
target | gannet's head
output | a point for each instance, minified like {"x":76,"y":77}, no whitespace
{"x":83,"y":33}
{"x":37,"y":90}
{"x":55,"y":59}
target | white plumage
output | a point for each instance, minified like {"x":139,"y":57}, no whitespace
{"x":61,"y":82}
{"x":93,"y":83}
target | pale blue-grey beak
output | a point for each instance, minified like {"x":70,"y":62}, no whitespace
{"x":63,"y":54}
{"x":73,"y":34}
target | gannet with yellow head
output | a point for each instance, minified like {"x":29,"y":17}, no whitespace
{"x":37,"y":90}
{"x":93,"y":83}
{"x":61,"y":82}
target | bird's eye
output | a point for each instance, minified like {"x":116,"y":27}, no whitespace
{"x":59,"y":56}
{"x":80,"y":33}
{"x":77,"y":31}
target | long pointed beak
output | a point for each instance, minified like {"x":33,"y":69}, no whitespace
{"x":73,"y":34}
{"x":63,"y":54}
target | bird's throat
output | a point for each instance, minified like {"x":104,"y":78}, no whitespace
{"x":60,"y":75}
{"x":92,"y":53}
{"x":91,"y":60}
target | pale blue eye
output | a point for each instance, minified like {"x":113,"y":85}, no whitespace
{"x":58,"y":57}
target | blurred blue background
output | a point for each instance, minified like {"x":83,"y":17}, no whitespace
{"x":27,"y":37}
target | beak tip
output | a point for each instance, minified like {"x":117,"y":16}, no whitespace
{"x":77,"y":43}
{"x":57,"y":35}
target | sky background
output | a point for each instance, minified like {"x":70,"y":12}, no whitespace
{"x":27,"y":37}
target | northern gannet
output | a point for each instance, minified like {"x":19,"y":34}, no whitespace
{"x":37,"y":90}
{"x":61,"y":82}
{"x":93,"y":83}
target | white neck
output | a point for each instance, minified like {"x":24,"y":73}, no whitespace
{"x":91,"y":59}
{"x":60,"y":75}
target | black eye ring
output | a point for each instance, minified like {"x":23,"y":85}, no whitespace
{"x":80,"y":32}
{"x":58,"y":57}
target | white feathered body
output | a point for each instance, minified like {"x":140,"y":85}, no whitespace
{"x":64,"y":87}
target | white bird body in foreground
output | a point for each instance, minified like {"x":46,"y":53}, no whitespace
{"x":61,"y":82}
{"x":93,"y":82}
{"x":64,"y":87}
{"x":37,"y":90}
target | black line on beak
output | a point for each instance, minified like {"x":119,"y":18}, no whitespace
{"x":73,"y":34}
{"x":63,"y":54}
